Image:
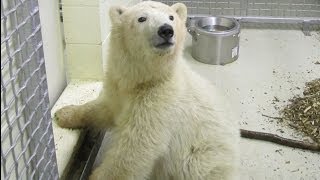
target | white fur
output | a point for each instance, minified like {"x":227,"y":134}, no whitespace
{"x":167,"y":122}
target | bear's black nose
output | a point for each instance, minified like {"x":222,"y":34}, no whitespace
{"x":165,"y":31}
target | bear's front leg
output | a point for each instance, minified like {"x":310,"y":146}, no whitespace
{"x":94,"y":113}
{"x":134,"y":149}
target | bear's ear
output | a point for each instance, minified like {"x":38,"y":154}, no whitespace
{"x":181,"y":10}
{"x":115,"y":13}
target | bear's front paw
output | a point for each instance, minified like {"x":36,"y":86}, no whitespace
{"x":67,"y":117}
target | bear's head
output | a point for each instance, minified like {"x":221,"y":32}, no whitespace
{"x":149,"y":29}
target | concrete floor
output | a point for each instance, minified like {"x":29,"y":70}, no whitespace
{"x":272,"y":63}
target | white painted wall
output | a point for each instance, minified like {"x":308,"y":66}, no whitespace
{"x":53,"y":48}
{"x":86,"y":30}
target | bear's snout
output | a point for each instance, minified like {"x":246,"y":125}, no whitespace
{"x":164,"y":38}
{"x":166,"y":32}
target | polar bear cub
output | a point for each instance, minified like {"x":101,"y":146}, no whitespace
{"x":166,"y":121}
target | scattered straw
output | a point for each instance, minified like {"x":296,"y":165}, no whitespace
{"x":303,"y":112}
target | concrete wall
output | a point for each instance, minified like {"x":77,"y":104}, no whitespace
{"x":53,"y":48}
{"x":87,"y":28}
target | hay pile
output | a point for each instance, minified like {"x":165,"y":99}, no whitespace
{"x":303,"y":113}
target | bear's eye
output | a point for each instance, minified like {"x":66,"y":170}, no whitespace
{"x":142,"y":19}
{"x":171,"y":18}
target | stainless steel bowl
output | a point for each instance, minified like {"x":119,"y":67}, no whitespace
{"x":215,"y":40}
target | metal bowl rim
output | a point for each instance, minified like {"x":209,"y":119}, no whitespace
{"x":234,"y":30}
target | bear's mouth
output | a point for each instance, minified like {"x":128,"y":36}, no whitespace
{"x":164,"y":45}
